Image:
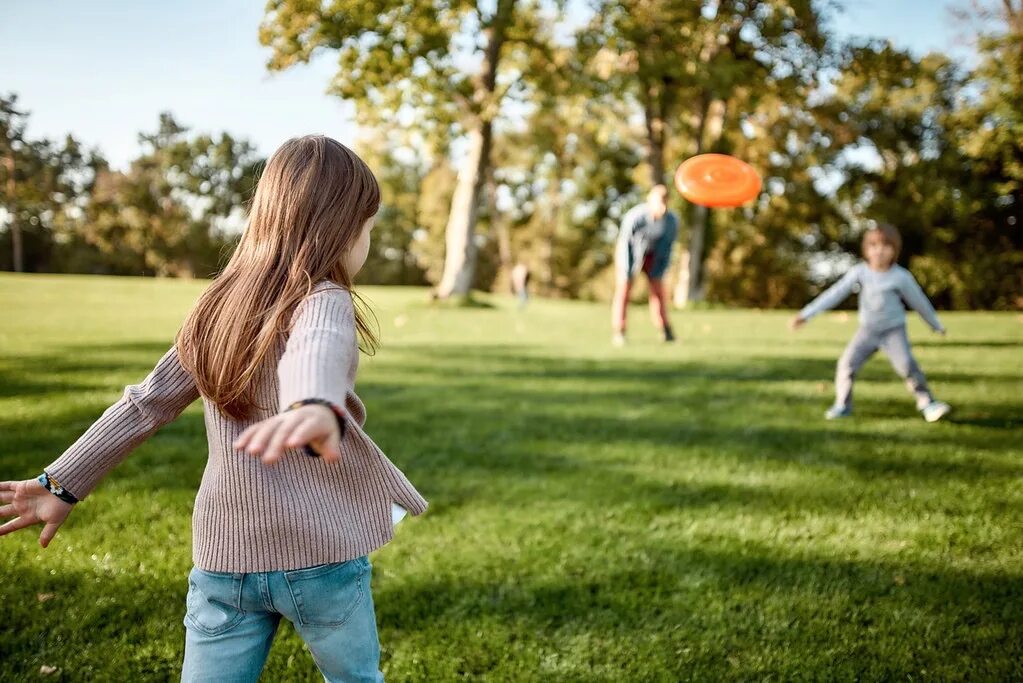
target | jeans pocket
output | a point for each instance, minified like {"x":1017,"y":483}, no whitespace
{"x":213,"y":602}
{"x":328,"y":595}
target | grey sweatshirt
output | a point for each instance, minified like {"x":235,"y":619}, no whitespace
{"x":249,"y":517}
{"x":882,"y":294}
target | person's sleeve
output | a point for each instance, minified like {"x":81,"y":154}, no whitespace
{"x":662,"y":252}
{"x":833,"y":296}
{"x":320,"y":350}
{"x":627,"y":226}
{"x":623,"y":246}
{"x":913,"y":295}
{"x":142,"y":410}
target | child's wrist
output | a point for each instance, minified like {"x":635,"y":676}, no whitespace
{"x":339,"y":415}
{"x":54,"y":487}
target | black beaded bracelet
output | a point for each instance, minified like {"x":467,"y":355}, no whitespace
{"x":54,"y":487}
{"x":338,"y":413}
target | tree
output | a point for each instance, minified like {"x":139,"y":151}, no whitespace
{"x":400,"y":171}
{"x":177,"y":208}
{"x":437,"y":64}
{"x":696,"y":67}
{"x":40,"y":183}
{"x":565,"y":173}
{"x":931,"y":158}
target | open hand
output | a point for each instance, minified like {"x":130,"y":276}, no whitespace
{"x":312,"y":425}
{"x":29,"y":502}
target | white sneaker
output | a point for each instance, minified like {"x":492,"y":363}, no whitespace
{"x":618,"y":339}
{"x":936,"y":410}
{"x":837,"y":413}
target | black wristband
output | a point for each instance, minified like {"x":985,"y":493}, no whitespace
{"x":338,"y":413}
{"x":54,"y":487}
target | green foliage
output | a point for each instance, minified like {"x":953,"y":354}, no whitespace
{"x":576,"y":128}
{"x":42,"y":185}
{"x":391,"y":259}
{"x":939,"y":174}
{"x":652,"y":513}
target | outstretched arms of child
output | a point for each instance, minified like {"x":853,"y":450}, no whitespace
{"x":913,"y":295}
{"x":142,"y":410}
{"x":833,"y":296}
{"x":315,"y":375}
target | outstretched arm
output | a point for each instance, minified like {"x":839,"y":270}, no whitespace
{"x":142,"y":410}
{"x":913,"y":295}
{"x":833,"y":296}
{"x":316,"y":366}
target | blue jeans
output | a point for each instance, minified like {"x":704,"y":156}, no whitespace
{"x":232,"y":619}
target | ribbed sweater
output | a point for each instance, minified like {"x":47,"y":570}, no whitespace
{"x":250,"y":517}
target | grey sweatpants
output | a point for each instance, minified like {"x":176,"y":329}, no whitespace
{"x":895,"y":345}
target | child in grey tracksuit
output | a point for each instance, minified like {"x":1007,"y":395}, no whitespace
{"x":884,"y":289}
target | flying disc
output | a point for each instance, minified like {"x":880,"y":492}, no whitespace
{"x":717,"y":180}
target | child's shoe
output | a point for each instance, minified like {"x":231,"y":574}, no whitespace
{"x":935,"y":410}
{"x":669,"y":336}
{"x":838,"y":412}
{"x":618,"y":339}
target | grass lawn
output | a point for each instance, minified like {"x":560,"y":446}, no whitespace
{"x":652,"y":513}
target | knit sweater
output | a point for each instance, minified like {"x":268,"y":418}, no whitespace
{"x":250,"y":517}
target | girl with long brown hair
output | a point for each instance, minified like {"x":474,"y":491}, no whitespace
{"x":295,"y":494}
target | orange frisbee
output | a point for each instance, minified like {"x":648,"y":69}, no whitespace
{"x":717,"y":180}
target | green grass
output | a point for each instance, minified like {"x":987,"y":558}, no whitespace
{"x":653,"y":513}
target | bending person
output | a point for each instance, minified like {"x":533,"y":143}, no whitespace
{"x":645,"y":240}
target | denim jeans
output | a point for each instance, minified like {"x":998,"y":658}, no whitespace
{"x":232,"y":618}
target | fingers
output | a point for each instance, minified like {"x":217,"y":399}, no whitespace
{"x":275,"y":448}
{"x":257,"y":441}
{"x":306,"y":431}
{"x":328,"y":449}
{"x":7,"y":511}
{"x":243,"y":439}
{"x":49,"y":531}
{"x":270,"y":438}
{"x":6,"y":496}
{"x":17,"y":523}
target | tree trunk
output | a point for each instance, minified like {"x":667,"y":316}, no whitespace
{"x":502,"y":233}
{"x":18,"y":255}
{"x":460,"y":252}
{"x":656,"y":129}
{"x":553,"y":218}
{"x":460,"y":249}
{"x":689,"y":285}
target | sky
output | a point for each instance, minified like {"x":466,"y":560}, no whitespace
{"x":103,"y":70}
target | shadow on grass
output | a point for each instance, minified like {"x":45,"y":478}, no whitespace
{"x":511,"y":427}
{"x":979,"y":344}
{"x":463,"y":419}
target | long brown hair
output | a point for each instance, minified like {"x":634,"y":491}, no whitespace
{"x":311,"y":203}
